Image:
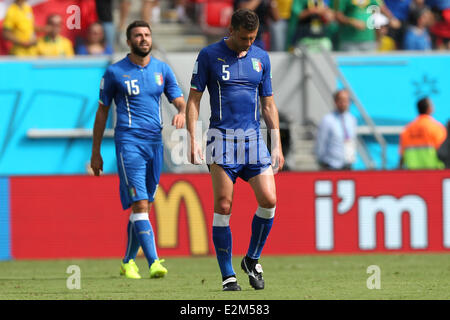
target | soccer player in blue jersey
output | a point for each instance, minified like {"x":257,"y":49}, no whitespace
{"x":136,"y":84}
{"x":238,"y":77}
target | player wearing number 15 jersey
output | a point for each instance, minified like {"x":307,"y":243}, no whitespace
{"x":237,"y":76}
{"x":136,"y":84}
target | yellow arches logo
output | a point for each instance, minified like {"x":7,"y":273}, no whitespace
{"x":167,"y":211}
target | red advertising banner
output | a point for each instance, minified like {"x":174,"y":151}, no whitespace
{"x":317,"y":212}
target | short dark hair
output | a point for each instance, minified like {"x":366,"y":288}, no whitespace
{"x":136,"y":24}
{"x":415,"y":14}
{"x":423,"y":105}
{"x":246,"y":19}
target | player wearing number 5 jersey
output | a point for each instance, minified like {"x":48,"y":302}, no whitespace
{"x":238,"y":77}
{"x":136,"y":84}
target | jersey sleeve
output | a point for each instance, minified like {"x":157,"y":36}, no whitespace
{"x":107,"y":88}
{"x":200,"y":73}
{"x":171,"y":87}
{"x":265,"y":87}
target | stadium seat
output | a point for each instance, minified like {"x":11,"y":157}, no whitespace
{"x":215,"y":16}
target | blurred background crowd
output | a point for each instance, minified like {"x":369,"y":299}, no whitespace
{"x":89,"y":27}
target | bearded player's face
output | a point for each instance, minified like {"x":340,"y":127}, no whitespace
{"x":242,"y":38}
{"x":140,"y":41}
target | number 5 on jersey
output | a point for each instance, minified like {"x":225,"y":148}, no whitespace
{"x":133,"y":88}
{"x":226,"y":73}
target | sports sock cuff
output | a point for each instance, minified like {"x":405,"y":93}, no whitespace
{"x":138,"y":216}
{"x":265,"y":213}
{"x":221,"y":220}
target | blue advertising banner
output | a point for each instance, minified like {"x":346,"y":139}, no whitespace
{"x":49,"y":94}
{"x":389,"y":86}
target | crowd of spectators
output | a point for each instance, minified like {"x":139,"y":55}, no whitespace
{"x":357,"y":25}
{"x":335,"y":25}
{"x":21,"y":35}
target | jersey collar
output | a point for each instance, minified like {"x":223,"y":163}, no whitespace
{"x":232,"y":52}
{"x":136,"y":65}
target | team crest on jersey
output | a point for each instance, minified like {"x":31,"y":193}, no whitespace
{"x":256,"y":65}
{"x":159,"y":79}
{"x":132,"y":192}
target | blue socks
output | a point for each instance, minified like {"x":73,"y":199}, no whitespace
{"x":222,"y":240}
{"x":261,"y":225}
{"x":143,"y":232}
{"x":132,"y":243}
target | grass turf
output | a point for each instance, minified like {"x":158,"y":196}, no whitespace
{"x":412,"y":276}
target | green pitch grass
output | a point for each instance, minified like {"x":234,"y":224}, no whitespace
{"x":415,"y":276}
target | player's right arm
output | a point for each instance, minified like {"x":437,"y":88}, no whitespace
{"x":192,"y":113}
{"x":99,"y":128}
{"x":107,"y":92}
{"x":198,"y":85}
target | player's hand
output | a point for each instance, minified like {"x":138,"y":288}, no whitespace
{"x":179,"y":120}
{"x":196,"y":153}
{"x":96,"y":164}
{"x":277,"y":160}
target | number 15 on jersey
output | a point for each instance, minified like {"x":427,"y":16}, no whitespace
{"x":133,"y":88}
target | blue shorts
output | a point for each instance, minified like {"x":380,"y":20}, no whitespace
{"x":139,"y":167}
{"x":245,"y":158}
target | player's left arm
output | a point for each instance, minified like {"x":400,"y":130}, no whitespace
{"x":180,"y":118}
{"x":270,"y":114}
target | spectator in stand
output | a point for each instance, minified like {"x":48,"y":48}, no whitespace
{"x":94,"y":43}
{"x":440,"y":30}
{"x":150,"y":13}
{"x":180,"y":8}
{"x":307,"y":25}
{"x":52,"y":44}
{"x":19,"y":28}
{"x":335,"y":147}
{"x":266,"y":10}
{"x":105,"y":17}
{"x":421,"y":139}
{"x":279,"y":28}
{"x":400,"y":10}
{"x":417,"y":36}
{"x":356,"y":32}
{"x":384,"y":41}
{"x":417,"y":4}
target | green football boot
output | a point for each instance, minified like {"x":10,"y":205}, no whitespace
{"x":130,"y":270}
{"x":157,"y":270}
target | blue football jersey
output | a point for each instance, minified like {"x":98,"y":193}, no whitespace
{"x":137,"y":91}
{"x":234,"y":85}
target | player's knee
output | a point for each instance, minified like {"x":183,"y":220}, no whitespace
{"x":140,"y":206}
{"x":223,"y":206}
{"x":268,"y":201}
